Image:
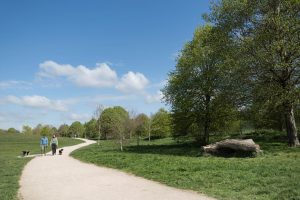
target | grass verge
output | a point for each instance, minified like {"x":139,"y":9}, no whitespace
{"x":273,"y":175}
{"x":11,"y":166}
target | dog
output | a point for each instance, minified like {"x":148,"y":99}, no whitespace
{"x":60,"y":151}
{"x":25,"y":153}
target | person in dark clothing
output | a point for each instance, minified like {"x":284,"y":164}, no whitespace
{"x":54,"y":144}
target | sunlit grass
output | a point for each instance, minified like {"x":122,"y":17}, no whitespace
{"x":273,"y":175}
{"x":11,"y":166}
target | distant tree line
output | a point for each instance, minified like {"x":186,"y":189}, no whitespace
{"x":110,"y":123}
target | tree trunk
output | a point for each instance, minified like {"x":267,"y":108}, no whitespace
{"x":207,"y":120}
{"x":99,"y":137}
{"x":206,"y":133}
{"x":138,"y":140}
{"x":121,"y":144}
{"x":282,"y":123}
{"x":291,"y":128}
{"x":149,"y":131}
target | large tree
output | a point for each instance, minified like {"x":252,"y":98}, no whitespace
{"x":141,"y":124}
{"x":27,"y":130}
{"x":37,"y":129}
{"x":266,"y":33}
{"x":161,"y":124}
{"x":113,"y":124}
{"x":76,"y":129}
{"x":12,"y":131}
{"x":97,"y":115}
{"x":197,"y":89}
{"x":63,"y":130}
{"x":91,"y":129}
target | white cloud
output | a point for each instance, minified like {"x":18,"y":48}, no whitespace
{"x":132,"y":83}
{"x":78,"y":117}
{"x":15,"y":119}
{"x":100,"y":76}
{"x":35,"y":101}
{"x":15,"y":84}
{"x":156,"y":98}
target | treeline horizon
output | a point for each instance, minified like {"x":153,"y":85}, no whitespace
{"x":107,"y":123}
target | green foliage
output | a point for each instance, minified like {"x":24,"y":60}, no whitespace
{"x":180,"y":165}
{"x":12,"y":131}
{"x":76,"y":129}
{"x":37,"y":129}
{"x":27,"y":130}
{"x":266,"y":38}
{"x":161,"y":124}
{"x":63,"y":130}
{"x":199,"y":89}
{"x":11,"y":166}
{"x":47,"y":130}
{"x":114,"y":123}
{"x":106,"y":123}
{"x":91,"y":128}
{"x":141,"y":123}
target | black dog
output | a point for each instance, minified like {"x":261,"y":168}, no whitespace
{"x":25,"y":153}
{"x":60,"y":151}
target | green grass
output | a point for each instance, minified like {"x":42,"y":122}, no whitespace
{"x":11,"y":166}
{"x":273,"y":175}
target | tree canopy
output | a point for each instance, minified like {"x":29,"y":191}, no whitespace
{"x":91,"y":128}
{"x":76,"y":129}
{"x":161,"y":124}
{"x":266,"y":34}
{"x":113,"y":123}
{"x":198,"y":90}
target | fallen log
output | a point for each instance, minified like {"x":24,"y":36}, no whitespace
{"x":232,"y":146}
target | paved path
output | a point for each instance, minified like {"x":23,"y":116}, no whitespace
{"x":63,"y":178}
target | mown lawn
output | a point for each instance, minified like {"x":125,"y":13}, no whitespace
{"x":11,"y":166}
{"x":273,"y":175}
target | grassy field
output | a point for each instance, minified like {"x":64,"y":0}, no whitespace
{"x":11,"y":166}
{"x":273,"y":175}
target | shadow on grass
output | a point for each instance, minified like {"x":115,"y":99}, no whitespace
{"x":182,"y":149}
{"x":268,"y":141}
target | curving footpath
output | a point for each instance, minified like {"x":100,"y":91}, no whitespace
{"x":63,"y":177}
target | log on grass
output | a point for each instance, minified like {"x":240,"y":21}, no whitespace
{"x":232,"y":145}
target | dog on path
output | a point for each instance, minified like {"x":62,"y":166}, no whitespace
{"x":25,"y":153}
{"x":60,"y":151}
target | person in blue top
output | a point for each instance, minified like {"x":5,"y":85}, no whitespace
{"x":43,"y":144}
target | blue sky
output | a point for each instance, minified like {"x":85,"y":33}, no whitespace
{"x":59,"y":59}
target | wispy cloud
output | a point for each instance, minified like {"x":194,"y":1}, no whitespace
{"x":13,"y":84}
{"x":155,"y":98}
{"x":77,"y":117}
{"x":16,"y":119}
{"x":35,"y":101}
{"x":160,"y":85}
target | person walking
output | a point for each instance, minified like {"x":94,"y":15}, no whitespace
{"x":43,"y":144}
{"x":54,"y":144}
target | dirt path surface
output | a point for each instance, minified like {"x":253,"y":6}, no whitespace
{"x":62,"y":177}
